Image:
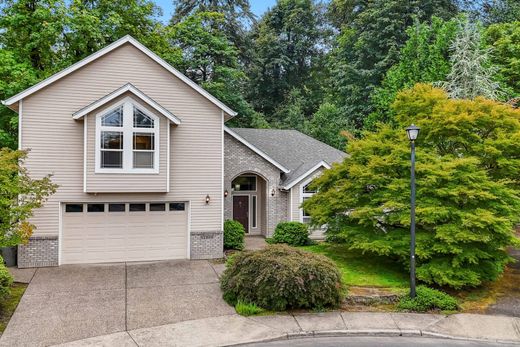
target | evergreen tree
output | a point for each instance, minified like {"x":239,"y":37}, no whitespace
{"x":471,"y":73}
{"x":237,"y":13}
{"x":424,"y":58}
{"x":288,"y":52}
{"x":368,"y":45}
{"x":211,"y":60}
{"x":93,"y":24}
{"x":504,"y":40}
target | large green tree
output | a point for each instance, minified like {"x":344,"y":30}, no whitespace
{"x":31,"y":49}
{"x":468,"y":188}
{"x":210,"y":59}
{"x":504,"y":39}
{"x":368,"y":45}
{"x":93,"y":24}
{"x":425,"y":57}
{"x":288,"y":54}
{"x":238,"y":16}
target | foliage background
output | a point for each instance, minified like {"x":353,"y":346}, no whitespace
{"x":326,"y":68}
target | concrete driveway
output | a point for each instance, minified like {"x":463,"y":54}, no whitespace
{"x":78,"y":301}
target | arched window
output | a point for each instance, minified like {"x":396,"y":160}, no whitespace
{"x":127,"y":139}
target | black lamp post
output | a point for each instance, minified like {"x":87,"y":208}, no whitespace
{"x":412,"y":131}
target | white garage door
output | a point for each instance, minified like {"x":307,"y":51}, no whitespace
{"x":116,"y":232}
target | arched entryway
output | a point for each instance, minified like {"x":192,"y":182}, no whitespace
{"x":249,"y":199}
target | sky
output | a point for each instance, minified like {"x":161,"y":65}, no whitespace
{"x":257,"y":6}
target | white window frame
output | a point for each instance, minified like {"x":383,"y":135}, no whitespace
{"x":254,"y":211}
{"x":128,"y":131}
{"x":304,"y":195}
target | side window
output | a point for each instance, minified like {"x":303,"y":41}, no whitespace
{"x":305,"y":193}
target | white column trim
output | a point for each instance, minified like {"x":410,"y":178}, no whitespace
{"x":168,"y":125}
{"x":85,"y":149}
{"x":20,"y":118}
{"x":222,"y":179}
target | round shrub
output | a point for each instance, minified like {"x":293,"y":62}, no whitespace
{"x":291,"y":233}
{"x":428,"y":299}
{"x":233,"y":235}
{"x":279,"y":277}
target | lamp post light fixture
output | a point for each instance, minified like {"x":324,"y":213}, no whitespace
{"x":413,"y":132}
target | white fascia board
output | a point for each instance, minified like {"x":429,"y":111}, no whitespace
{"x":107,"y":49}
{"x":120,"y":91}
{"x":256,"y":150}
{"x":311,"y":170}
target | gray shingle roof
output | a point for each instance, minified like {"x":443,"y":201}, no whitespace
{"x":294,"y":150}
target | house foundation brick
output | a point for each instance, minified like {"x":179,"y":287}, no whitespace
{"x":40,"y":251}
{"x":207,"y":245}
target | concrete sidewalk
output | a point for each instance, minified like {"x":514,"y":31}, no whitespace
{"x":235,"y":329}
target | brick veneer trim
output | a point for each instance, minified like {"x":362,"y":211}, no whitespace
{"x":207,"y":245}
{"x":40,"y":251}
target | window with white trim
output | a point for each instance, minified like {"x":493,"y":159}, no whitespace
{"x":305,"y":193}
{"x":127,"y":139}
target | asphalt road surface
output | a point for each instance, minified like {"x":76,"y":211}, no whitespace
{"x":351,"y":341}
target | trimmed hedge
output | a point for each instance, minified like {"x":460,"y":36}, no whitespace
{"x":6,"y":280}
{"x":291,"y":233}
{"x":280,"y":277}
{"x":428,"y":299}
{"x":233,"y":235}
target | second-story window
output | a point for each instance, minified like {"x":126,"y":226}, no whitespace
{"x":127,"y":138}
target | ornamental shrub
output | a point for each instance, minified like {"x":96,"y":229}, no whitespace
{"x":291,"y":233}
{"x":468,"y":188}
{"x":280,"y":277}
{"x":6,"y":280}
{"x":428,"y":299}
{"x":233,"y":235}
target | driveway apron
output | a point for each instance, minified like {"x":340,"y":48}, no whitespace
{"x":73,"y":302}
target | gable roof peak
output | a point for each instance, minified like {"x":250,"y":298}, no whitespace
{"x":114,"y":45}
{"x":129,"y":87}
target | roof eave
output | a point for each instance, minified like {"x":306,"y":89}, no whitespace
{"x":256,"y":150}
{"x":305,"y":174}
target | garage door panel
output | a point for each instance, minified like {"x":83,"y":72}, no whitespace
{"x":90,"y":237}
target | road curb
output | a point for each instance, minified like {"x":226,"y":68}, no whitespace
{"x":372,"y":333}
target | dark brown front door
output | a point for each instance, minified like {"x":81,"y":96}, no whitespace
{"x":241,"y":210}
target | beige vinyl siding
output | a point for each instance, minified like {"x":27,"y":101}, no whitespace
{"x":295,"y":202}
{"x":295,"y":199}
{"x":56,"y":140}
{"x":121,"y":182}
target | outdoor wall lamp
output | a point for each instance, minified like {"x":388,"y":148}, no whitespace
{"x":207,"y":199}
{"x":225,"y":193}
{"x":412,"y":131}
{"x":273,"y":192}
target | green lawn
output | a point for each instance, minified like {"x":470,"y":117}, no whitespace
{"x":8,"y":306}
{"x":363,"y":269}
